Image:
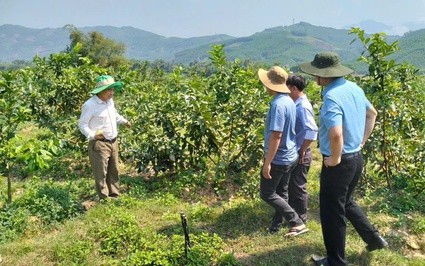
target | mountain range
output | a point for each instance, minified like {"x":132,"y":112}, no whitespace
{"x":371,"y":26}
{"x":285,"y":45}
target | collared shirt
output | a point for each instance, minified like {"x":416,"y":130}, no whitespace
{"x":344,"y":104}
{"x":97,"y":115}
{"x":281,"y":117}
{"x":305,"y":125}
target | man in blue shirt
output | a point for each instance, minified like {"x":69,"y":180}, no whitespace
{"x":280,"y":151}
{"x":346,"y":119}
{"x":306,"y":133}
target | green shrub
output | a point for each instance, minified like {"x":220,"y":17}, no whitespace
{"x":418,"y":225}
{"x":49,"y":202}
{"x":118,"y":237}
{"x":123,"y":242}
{"x":13,"y":222}
{"x":72,"y":253}
{"x":205,"y":249}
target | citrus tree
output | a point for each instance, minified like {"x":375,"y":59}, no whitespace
{"x":189,"y":120}
{"x":396,"y":147}
{"x":31,"y":154}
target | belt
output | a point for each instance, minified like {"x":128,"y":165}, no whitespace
{"x":108,"y":140}
{"x":350,"y":155}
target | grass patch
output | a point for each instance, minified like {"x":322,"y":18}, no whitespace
{"x":144,"y":228}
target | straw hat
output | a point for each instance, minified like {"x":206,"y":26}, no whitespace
{"x":274,"y":79}
{"x":325,"y":65}
{"x":104,"y":82}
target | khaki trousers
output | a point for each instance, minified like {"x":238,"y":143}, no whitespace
{"x":104,"y":163}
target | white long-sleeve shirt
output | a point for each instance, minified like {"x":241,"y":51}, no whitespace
{"x":99,"y":115}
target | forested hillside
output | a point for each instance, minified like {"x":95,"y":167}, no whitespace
{"x":412,"y":48}
{"x":283,"y":45}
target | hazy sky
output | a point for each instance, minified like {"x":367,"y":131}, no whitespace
{"x":190,"y":18}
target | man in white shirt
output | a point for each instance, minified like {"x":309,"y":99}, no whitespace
{"x":98,"y":122}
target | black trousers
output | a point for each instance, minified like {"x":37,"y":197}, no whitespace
{"x":336,"y":202}
{"x":297,"y":188}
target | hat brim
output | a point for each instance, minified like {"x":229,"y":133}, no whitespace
{"x":278,"y":87}
{"x":328,"y":72}
{"x":117,"y":86}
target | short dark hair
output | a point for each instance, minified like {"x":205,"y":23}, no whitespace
{"x":296,"y":80}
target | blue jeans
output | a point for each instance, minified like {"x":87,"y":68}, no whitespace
{"x":337,"y":184}
{"x":274,"y":192}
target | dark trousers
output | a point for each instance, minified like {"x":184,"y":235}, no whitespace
{"x":274,"y":192}
{"x":336,"y":202}
{"x":297,"y":189}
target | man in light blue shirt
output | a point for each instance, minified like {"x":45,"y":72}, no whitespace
{"x":306,"y":130}
{"x":346,"y":120}
{"x":280,"y":151}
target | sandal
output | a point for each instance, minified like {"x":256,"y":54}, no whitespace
{"x":297,"y":230}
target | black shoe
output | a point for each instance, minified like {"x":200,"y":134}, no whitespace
{"x":273,"y":230}
{"x":319,"y":260}
{"x":378,"y":244}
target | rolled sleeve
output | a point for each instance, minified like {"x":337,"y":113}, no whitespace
{"x":310,"y":135}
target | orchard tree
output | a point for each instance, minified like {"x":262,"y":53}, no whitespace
{"x":396,"y":146}
{"x":186,"y":121}
{"x":31,"y":153}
